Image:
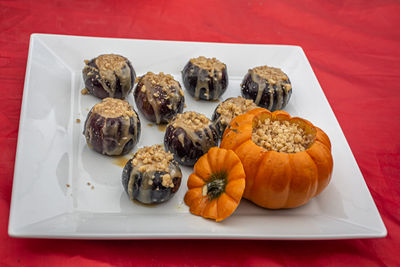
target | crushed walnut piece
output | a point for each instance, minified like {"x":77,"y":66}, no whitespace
{"x":281,"y":136}
{"x":209,"y":64}
{"x":113,"y":108}
{"x":191,"y":120}
{"x":152,"y":158}
{"x":234,"y":107}
{"x":167,"y":180}
{"x":85,"y":91}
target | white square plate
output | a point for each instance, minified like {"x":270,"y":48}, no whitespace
{"x":62,"y":189}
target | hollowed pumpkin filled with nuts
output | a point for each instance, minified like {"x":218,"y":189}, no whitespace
{"x":287,"y":160}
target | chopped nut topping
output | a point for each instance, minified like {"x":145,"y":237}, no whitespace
{"x":152,"y":158}
{"x":281,"y":136}
{"x":113,"y":108}
{"x":192,"y":120}
{"x":209,"y":64}
{"x":110,"y":62}
{"x":271,"y":74}
{"x":234,"y":107}
{"x":165,"y":80}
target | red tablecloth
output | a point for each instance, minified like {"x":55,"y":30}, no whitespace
{"x":354,"y":49}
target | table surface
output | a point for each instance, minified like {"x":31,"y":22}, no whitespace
{"x":353,"y":47}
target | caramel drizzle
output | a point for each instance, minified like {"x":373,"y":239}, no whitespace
{"x":112,"y":131}
{"x":262,"y":86}
{"x":203,"y":81}
{"x":146,"y":186}
{"x":150,"y":90}
{"x":123,"y":72}
{"x":206,"y":141}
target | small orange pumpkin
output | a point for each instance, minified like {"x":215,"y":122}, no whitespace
{"x":276,"y":179}
{"x":216,"y":184}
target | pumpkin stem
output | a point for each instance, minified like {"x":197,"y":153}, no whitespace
{"x":216,"y":185}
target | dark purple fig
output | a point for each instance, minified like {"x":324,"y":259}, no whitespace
{"x":159,"y":97}
{"x":268,"y":87}
{"x":227,"y":110}
{"x":205,"y":78}
{"x":112,"y":127}
{"x":109,"y":76}
{"x":151,"y":176}
{"x":189,"y":136}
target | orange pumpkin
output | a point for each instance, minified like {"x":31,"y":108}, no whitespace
{"x":216,"y":184}
{"x":276,"y":179}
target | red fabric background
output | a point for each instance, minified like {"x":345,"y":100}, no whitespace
{"x":353,"y":47}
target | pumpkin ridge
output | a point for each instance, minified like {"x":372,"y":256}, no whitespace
{"x":264,"y":154}
{"x":229,"y":206}
{"x":322,"y":137}
{"x":322,"y":143}
{"x":290,"y":178}
{"x":207,"y":209}
{"x":236,"y":168}
{"x":234,"y":200}
{"x":309,"y":196}
{"x":205,"y":171}
{"x":290,"y":175}
{"x":305,"y":184}
{"x":197,"y":209}
{"x":191,"y":195}
{"x":212,"y":159}
{"x":216,"y":210}
{"x":196,"y":183}
{"x":230,"y":193}
{"x":323,"y":181}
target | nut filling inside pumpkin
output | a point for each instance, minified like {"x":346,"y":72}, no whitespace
{"x":281,"y":136}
